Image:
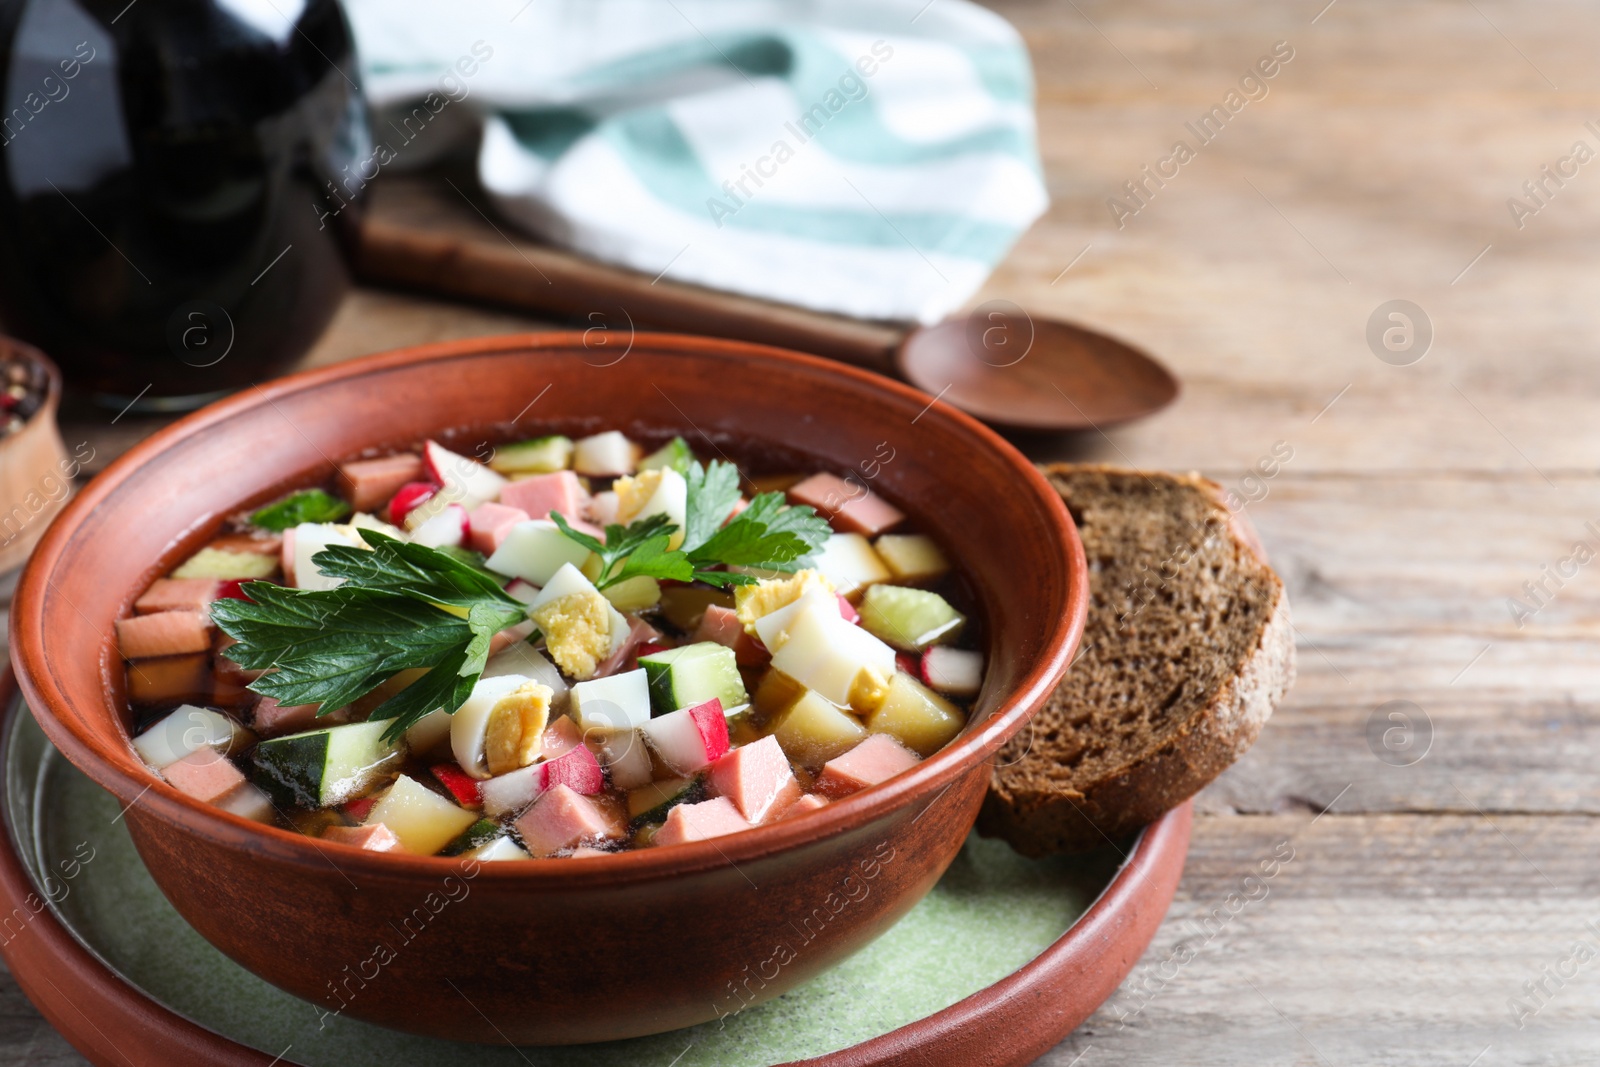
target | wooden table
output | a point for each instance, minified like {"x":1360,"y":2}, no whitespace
{"x":1418,"y":501}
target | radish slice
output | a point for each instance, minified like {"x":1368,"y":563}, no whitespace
{"x":954,"y":671}
{"x":690,"y":738}
{"x":407,"y":498}
{"x":463,"y":788}
{"x":446,"y":529}
{"x":465,"y":481}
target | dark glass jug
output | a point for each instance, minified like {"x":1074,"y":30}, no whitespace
{"x":179,"y":188}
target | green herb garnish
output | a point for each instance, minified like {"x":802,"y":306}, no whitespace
{"x":403,"y":606}
{"x":306,"y":505}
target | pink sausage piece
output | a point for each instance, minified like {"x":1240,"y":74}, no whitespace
{"x":165,"y":633}
{"x":177,"y":594}
{"x":697,"y":822}
{"x":849,"y":506}
{"x":488,"y":525}
{"x":204,"y":774}
{"x":877,"y":759}
{"x":369,"y":483}
{"x":561,"y":819}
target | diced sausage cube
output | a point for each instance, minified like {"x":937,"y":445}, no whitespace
{"x":809,"y":802}
{"x":541,"y":494}
{"x":722,"y":625}
{"x":697,"y":822}
{"x":488,"y":524}
{"x":204,"y":774}
{"x":757,"y":778}
{"x":877,"y":759}
{"x":369,"y":483}
{"x":177,"y":594}
{"x":849,"y":506}
{"x":164,"y":679}
{"x":374,"y":837}
{"x":166,"y":633}
{"x":562,"y":819}
{"x":273,"y":718}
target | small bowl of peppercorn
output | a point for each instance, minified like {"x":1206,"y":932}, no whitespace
{"x":36,"y":473}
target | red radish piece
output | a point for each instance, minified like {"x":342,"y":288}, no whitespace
{"x":233,"y":589}
{"x":697,"y":822}
{"x":374,"y":838}
{"x":877,"y":759}
{"x":849,"y":506}
{"x":650,"y":648}
{"x":847,"y":609}
{"x":166,"y":633}
{"x":459,"y":785}
{"x":562,"y":819}
{"x":447,"y":529}
{"x":367,"y":483}
{"x":757,"y":778}
{"x":577,"y":769}
{"x":722,"y":625}
{"x":177,"y":594}
{"x":954,"y":671}
{"x":909,"y":663}
{"x":689,"y":738}
{"x":204,"y":774}
{"x":360,"y":808}
{"x":466,"y":481}
{"x":489,"y":523}
{"x":406,"y":500}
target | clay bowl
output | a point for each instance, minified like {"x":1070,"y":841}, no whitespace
{"x":556,"y":951}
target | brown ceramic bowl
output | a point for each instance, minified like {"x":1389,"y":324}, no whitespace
{"x":570,"y":950}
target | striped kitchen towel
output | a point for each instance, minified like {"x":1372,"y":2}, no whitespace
{"x":870,"y":157}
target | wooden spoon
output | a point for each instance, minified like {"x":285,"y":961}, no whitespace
{"x":998,"y":363}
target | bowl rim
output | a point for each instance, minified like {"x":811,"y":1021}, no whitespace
{"x":932,"y":777}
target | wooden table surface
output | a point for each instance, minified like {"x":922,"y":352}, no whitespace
{"x":1438,"y":876}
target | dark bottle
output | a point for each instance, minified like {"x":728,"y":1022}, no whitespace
{"x":179,"y":188}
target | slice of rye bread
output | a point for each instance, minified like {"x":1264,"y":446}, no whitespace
{"x":1187,"y":650}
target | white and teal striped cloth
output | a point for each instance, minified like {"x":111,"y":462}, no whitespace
{"x":870,"y":157}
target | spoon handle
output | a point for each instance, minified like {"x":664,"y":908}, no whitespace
{"x":540,"y":278}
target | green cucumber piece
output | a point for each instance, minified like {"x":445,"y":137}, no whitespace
{"x":662,"y":798}
{"x":674,"y":455}
{"x":479,"y":833}
{"x":909,"y":619}
{"x":324,"y":767}
{"x":306,"y":505}
{"x":538,"y":456}
{"x":693,"y":674}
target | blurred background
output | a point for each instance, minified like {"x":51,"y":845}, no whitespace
{"x":1370,"y":270}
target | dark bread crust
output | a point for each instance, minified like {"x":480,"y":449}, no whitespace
{"x":1188,"y":649}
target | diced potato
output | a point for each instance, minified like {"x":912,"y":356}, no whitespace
{"x":815,"y":730}
{"x":752,"y":602}
{"x":226,"y":566}
{"x":635,"y":594}
{"x":776,"y":694}
{"x":911,"y":557}
{"x":423,"y":820}
{"x":850,"y":563}
{"x":917,"y":717}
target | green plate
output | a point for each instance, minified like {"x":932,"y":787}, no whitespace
{"x":990,"y":914}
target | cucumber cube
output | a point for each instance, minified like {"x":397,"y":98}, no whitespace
{"x":326,"y":767}
{"x":694,"y":674}
{"x":675,"y":455}
{"x":538,"y":456}
{"x":910,"y":619}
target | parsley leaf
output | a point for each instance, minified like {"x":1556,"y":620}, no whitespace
{"x":633,"y":551}
{"x":307,"y":505}
{"x":713,"y":490}
{"x":401,"y":606}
